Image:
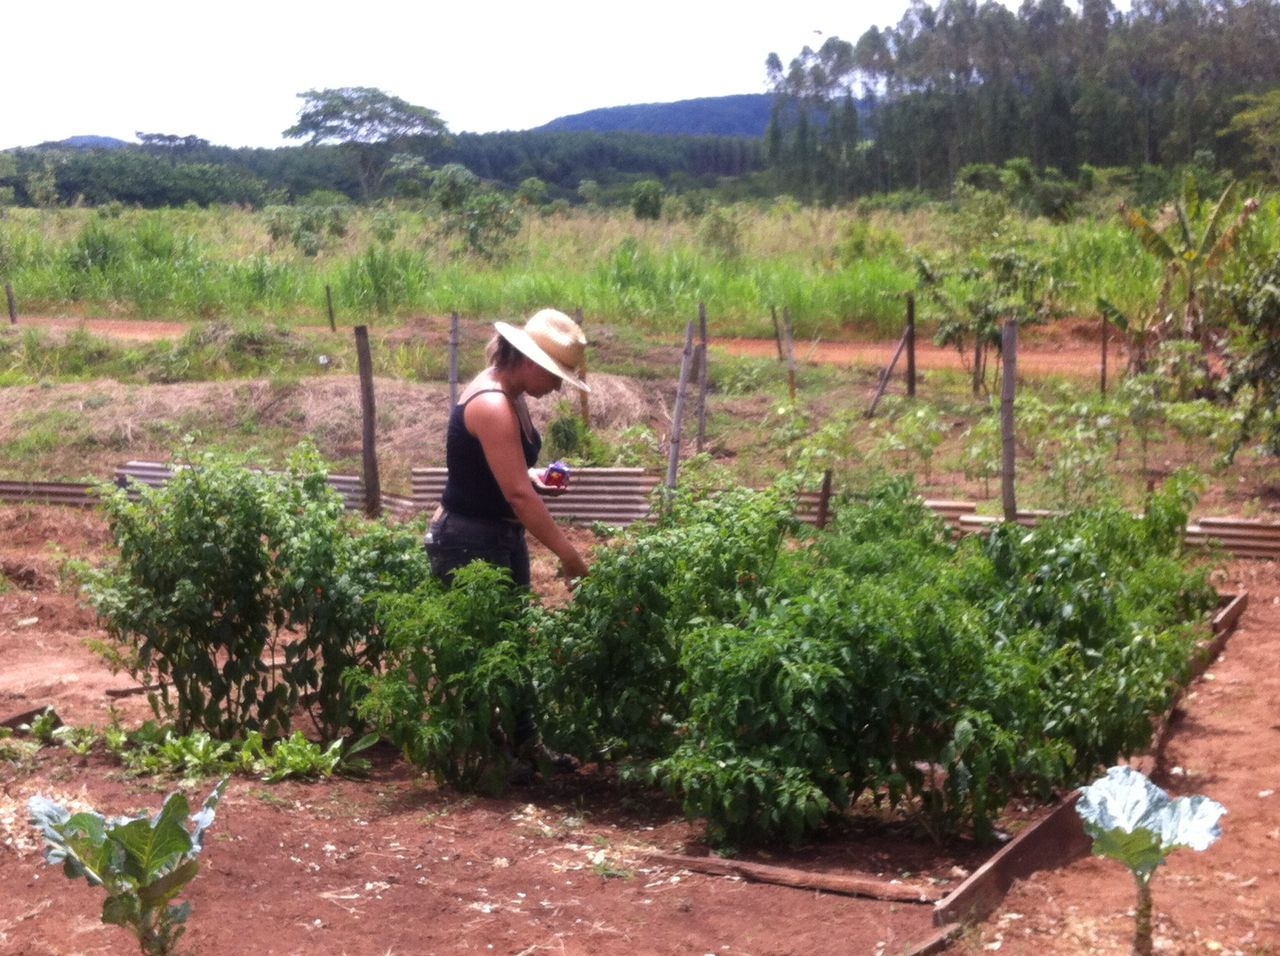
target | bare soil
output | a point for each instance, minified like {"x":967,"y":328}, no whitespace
{"x":394,"y":864}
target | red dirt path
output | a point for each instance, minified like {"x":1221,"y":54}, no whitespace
{"x":1065,"y":349}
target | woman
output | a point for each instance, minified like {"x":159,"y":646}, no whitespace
{"x":492,"y":492}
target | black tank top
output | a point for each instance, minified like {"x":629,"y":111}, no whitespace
{"x":470,"y":489}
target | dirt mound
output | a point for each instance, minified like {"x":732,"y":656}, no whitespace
{"x":102,"y":423}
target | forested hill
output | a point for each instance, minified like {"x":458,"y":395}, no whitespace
{"x":746,"y":114}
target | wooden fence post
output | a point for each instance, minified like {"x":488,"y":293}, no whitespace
{"x":372,"y":487}
{"x":911,"y":345}
{"x":328,"y":299}
{"x":453,"y":359}
{"x":886,"y":375}
{"x":824,"y":499}
{"x":1008,"y":386}
{"x":13,"y":304}
{"x":702,"y":376}
{"x":584,"y":399}
{"x":791,"y":359}
{"x":777,"y":332}
{"x":686,"y":360}
{"x":1105,"y":326}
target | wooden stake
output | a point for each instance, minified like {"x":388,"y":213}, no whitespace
{"x":824,"y":499}
{"x":702,"y":376}
{"x":13,"y":305}
{"x":777,"y":332}
{"x":686,"y":360}
{"x":328,"y":298}
{"x":1105,"y":326}
{"x":791,"y":359}
{"x":368,"y":414}
{"x":911,"y":345}
{"x":885,"y":376}
{"x":584,"y":399}
{"x":896,"y":890}
{"x":1008,"y":386}
{"x":453,"y":359}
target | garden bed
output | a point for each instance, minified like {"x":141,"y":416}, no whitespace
{"x":395,"y":864}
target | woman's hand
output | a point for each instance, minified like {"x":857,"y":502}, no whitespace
{"x":542,"y":488}
{"x":573,"y":568}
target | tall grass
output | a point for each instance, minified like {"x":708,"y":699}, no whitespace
{"x":839,"y":272}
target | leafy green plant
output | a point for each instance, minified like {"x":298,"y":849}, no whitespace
{"x":14,"y":749}
{"x":914,"y":436}
{"x":43,"y":726}
{"x":224,"y":570}
{"x":143,"y":862}
{"x":295,"y":756}
{"x":79,"y":740}
{"x":1187,"y":260}
{"x":455,"y":686}
{"x":1133,"y":821}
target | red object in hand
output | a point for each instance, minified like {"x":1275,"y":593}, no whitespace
{"x":556,"y":475}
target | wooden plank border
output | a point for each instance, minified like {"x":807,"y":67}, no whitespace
{"x":1059,"y":838}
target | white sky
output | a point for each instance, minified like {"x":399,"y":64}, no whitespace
{"x":230,"y":72}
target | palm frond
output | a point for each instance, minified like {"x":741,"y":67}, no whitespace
{"x":1225,"y":201}
{"x":1151,"y":240}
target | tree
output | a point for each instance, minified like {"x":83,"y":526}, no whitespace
{"x":646,"y":199}
{"x":369,"y":123}
{"x":1188,"y":260}
{"x":1259,"y":121}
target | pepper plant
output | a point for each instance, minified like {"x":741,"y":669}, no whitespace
{"x":224,"y":572}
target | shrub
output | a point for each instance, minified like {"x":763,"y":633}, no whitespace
{"x":456,"y":687}
{"x":224,"y":572}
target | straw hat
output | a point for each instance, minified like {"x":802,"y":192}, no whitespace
{"x":554,"y":341}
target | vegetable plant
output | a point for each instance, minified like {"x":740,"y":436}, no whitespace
{"x":456,"y":682}
{"x":1132,"y":820}
{"x":142,"y":862}
{"x":224,"y":572}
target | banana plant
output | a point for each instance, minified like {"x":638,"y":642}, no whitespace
{"x":1132,"y":820}
{"x":1188,"y":258}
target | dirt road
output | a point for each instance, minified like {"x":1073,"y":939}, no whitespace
{"x":1063,"y":350}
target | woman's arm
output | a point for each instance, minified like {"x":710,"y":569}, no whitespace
{"x":493,"y":421}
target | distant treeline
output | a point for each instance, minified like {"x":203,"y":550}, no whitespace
{"x":172,"y":171}
{"x":961,"y":83}
{"x":912,"y":107}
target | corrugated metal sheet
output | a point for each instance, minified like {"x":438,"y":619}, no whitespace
{"x":614,"y":496}
{"x":49,"y":493}
{"x":1241,"y":537}
{"x":156,"y":473}
{"x":619,"y":496}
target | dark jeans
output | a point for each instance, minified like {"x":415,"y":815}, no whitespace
{"x":454,"y":541}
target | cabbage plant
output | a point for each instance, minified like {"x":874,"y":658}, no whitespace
{"x":143,"y":862}
{"x":1132,"y":820}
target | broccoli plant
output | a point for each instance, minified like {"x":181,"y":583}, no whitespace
{"x":143,"y":862}
{"x":1132,"y":820}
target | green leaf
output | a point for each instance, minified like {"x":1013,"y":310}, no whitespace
{"x":169,"y":885}
{"x":150,"y":847}
{"x":121,"y":910}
